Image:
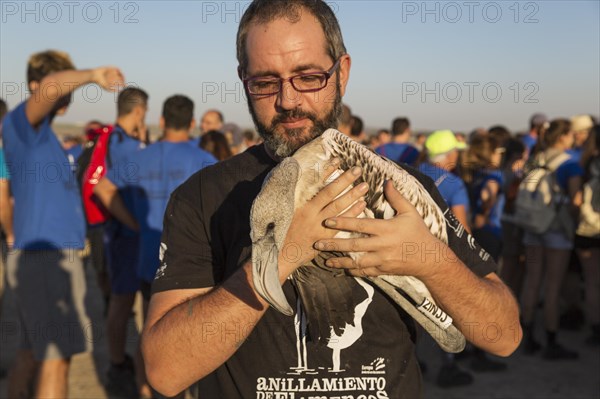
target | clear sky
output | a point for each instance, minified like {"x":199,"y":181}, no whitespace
{"x":444,"y":64}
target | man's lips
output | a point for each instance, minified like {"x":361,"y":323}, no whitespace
{"x":292,"y":123}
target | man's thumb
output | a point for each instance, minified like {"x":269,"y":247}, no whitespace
{"x":397,"y":201}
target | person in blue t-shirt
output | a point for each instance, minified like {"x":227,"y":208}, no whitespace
{"x":442,"y":156}
{"x":480,"y":170}
{"x":6,"y":222}
{"x":547,"y":254}
{"x":538,"y":123}
{"x":121,"y":236}
{"x":44,"y":270}
{"x":399,"y":149}
{"x":160,"y":169}
{"x":145,"y":184}
{"x":441,"y":151}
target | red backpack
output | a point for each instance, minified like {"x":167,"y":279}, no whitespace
{"x":95,"y":212}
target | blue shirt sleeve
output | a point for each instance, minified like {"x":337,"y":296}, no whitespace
{"x":566,"y":171}
{"x":410,"y":155}
{"x":460,"y":196}
{"x":23,"y":130}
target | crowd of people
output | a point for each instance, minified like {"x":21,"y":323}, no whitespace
{"x":169,"y":218}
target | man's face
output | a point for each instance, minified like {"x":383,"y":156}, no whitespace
{"x":289,"y":119}
{"x":210,"y":121}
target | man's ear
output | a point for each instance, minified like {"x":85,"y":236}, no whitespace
{"x":161,"y":123}
{"x":345,"y":64}
{"x":240,"y":72}
{"x":193,"y":124}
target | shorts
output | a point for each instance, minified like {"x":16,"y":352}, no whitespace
{"x":50,"y":288}
{"x":583,"y":242}
{"x":122,"y":259}
{"x":554,"y":239}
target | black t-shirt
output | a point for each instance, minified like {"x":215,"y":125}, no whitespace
{"x":206,"y":238}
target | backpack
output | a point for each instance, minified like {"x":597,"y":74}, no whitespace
{"x":589,"y":216}
{"x":539,"y":196}
{"x":92,"y":165}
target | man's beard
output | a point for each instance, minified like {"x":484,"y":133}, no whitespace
{"x":284,"y":145}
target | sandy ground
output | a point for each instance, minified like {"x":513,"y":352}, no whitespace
{"x":526,"y":377}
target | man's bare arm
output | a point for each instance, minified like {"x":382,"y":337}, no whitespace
{"x":6,"y":212}
{"x":56,"y":86}
{"x":108,"y":194}
{"x":183,"y":338}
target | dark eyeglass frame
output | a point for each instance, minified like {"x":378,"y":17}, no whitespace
{"x":327,"y":74}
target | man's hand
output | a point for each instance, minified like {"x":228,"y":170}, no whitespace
{"x":109,"y":78}
{"x":390,"y":245}
{"x":308,"y":223}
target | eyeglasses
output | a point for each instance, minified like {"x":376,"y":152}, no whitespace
{"x":303,"y":83}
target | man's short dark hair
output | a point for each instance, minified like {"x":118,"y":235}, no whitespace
{"x":399,"y":126}
{"x":178,"y":112}
{"x":346,"y":117}
{"x":3,"y":109}
{"x":264,"y":11}
{"x":357,"y":126}
{"x":130,"y":98}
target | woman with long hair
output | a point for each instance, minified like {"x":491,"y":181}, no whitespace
{"x":480,"y":170}
{"x":547,"y":254}
{"x":217,"y":144}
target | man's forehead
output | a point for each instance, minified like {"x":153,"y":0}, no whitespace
{"x":285,"y":38}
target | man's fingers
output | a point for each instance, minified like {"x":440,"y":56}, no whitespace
{"x":362,"y":225}
{"x":358,"y":244}
{"x":336,"y":187}
{"x":331,"y":166}
{"x":396,"y":200}
{"x":365,"y":266}
{"x":355,"y":210}
{"x":340,"y":204}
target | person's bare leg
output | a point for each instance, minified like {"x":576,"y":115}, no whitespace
{"x":53,"y":378}
{"x":22,"y":374}
{"x":119,"y":310}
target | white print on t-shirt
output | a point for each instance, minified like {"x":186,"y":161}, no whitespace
{"x":163,"y":265}
{"x":453,"y":223}
{"x":459,"y":230}
{"x":306,"y":387}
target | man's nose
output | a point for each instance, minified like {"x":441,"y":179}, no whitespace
{"x":289,"y":98}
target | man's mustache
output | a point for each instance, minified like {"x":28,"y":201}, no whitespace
{"x":292,"y":114}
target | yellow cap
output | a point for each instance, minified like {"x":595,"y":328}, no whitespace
{"x":441,"y":142}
